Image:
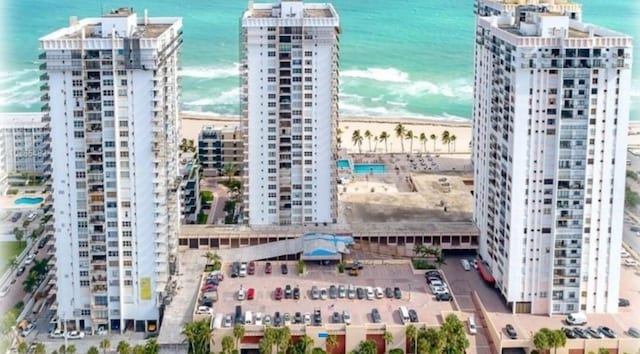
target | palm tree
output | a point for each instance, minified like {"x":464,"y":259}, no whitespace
{"x":227,"y":344}
{"x":339,"y":137}
{"x":40,"y":266}
{"x":384,"y":136}
{"x":191,"y":145}
{"x":62,"y":349}
{"x":123,"y":347}
{"x":412,"y":333}
{"x":434,"y":138}
{"x":446,"y":139}
{"x":268,"y":340}
{"x":558,"y":339}
{"x":15,"y":262}
{"x":71,"y":349}
{"x":332,"y":342}
{"x":23,"y":347}
{"x":357,"y":139}
{"x":431,"y":341}
{"x":409,"y":136}
{"x":454,"y":335}
{"x":138,"y":349}
{"x":198,"y":335}
{"x":18,"y":234}
{"x":375,"y":140}
{"x":93,"y":350}
{"x":30,"y":282}
{"x":238,"y":334}
{"x":367,"y":347}
{"x":400,"y":132}
{"x":368,"y":136}
{"x":283,"y":337}
{"x":388,"y":339}
{"x":105,"y":344}
{"x":308,"y":344}
{"x":423,"y":140}
{"x":40,"y":349}
{"x":542,"y":339}
{"x":183,"y":145}
{"x":152,"y":346}
{"x":229,"y":170}
{"x":212,"y":257}
{"x":452,"y":139}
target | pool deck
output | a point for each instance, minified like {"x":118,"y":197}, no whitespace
{"x":8,"y":202}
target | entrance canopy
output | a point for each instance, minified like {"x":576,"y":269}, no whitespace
{"x":484,"y":273}
{"x":318,"y":246}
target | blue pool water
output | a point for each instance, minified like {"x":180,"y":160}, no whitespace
{"x":27,"y":200}
{"x":369,"y":168}
{"x":342,"y":163}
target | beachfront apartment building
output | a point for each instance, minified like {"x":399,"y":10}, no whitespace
{"x":189,"y":189}
{"x":289,"y":103}
{"x":113,"y":104}
{"x":550,"y":116}
{"x":218,"y":147}
{"x":25,"y":143}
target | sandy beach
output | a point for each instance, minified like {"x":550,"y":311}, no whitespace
{"x":192,"y":123}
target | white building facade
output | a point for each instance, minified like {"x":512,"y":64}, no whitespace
{"x":289,"y":70}
{"x":25,"y":138}
{"x":550,"y":116}
{"x":113,"y":104}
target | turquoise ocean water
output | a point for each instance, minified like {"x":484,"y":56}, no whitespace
{"x":397,"y":58}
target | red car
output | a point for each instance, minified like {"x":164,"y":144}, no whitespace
{"x":209,"y":287}
{"x":250,"y":294}
{"x":252,"y":268}
{"x":278,"y":293}
{"x":267,"y":268}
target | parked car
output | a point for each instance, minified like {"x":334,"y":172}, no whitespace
{"x":277,"y":319}
{"x":75,"y":335}
{"x":335,"y":318}
{"x":569,"y":333}
{"x":28,"y":329}
{"x":511,"y":331}
{"x":315,"y":293}
{"x":375,"y":316}
{"x":266,"y":320}
{"x":43,"y":242}
{"x":278,"y":293}
{"x":333,"y":292}
{"x":251,"y":269}
{"x":251,"y":293}
{"x":581,"y":333}
{"x":360,"y":293}
{"x":342,"y":291}
{"x":306,"y":318}
{"x":317,"y":317}
{"x":413,"y":315}
{"x":346,"y":317}
{"x":4,"y":291}
{"x":243,"y":270}
{"x":29,"y":259}
{"x":397,"y":293}
{"x":608,"y":332}
{"x":204,"y":310}
{"x":235,"y":269}
{"x":283,"y":269}
{"x":388,"y":292}
{"x":227,"y":322}
{"x":241,"y":295}
{"x":593,"y":332}
{"x":267,"y":268}
{"x":623,"y":302}
{"x":20,"y":271}
{"x":56,"y":334}
{"x":258,"y":318}
{"x":446,"y":296}
{"x":370,"y":293}
{"x":634,"y":332}
{"x":288,"y":292}
{"x":286,"y":319}
{"x":379,"y":292}
{"x":296,"y":293}
{"x":351,"y":292}
{"x":324,"y":294}
{"x":297,"y":318}
{"x":473,"y":329}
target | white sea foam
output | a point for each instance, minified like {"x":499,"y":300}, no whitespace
{"x":456,"y":89}
{"x":377,"y":74}
{"x":216,"y":72}
{"x":224,"y":98}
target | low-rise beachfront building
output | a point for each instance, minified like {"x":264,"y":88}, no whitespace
{"x":289,"y":108}
{"x":551,"y":109}
{"x":113,"y":101}
{"x":218,"y":147}
{"x":189,"y":189}
{"x":25,"y":142}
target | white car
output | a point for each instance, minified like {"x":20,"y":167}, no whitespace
{"x":630,"y":262}
{"x":379,"y":293}
{"x":4,"y":291}
{"x":29,"y":259}
{"x":241,"y":295}
{"x":439,"y":290}
{"x":472,"y":325}
{"x":227,"y":321}
{"x":306,"y":318}
{"x":28,"y":329}
{"x":204,"y":310}
{"x":346,"y":317}
{"x":324,"y":293}
{"x":258,"y":318}
{"x":75,"y":335}
{"x":370,"y":294}
{"x":243,"y":270}
{"x":56,"y":334}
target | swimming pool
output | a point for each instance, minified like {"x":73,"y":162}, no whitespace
{"x":28,"y":201}
{"x":369,"y":168}
{"x":342,"y":163}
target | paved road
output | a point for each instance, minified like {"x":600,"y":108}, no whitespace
{"x":632,"y":238}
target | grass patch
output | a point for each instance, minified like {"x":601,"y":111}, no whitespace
{"x":202,"y":218}
{"x":206,"y":196}
{"x":631,"y":198}
{"x":422,"y":264}
{"x":8,"y":251}
{"x":632,"y":175}
{"x":12,"y":191}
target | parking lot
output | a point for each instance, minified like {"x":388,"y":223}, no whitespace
{"x":414,"y":292}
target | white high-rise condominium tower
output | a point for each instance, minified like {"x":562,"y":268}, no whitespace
{"x":551,"y":108}
{"x":289,"y":65}
{"x":113,"y":104}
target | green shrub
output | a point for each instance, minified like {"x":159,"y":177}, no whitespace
{"x":206,"y":196}
{"x":217,"y":265}
{"x":341,"y":267}
{"x":396,"y":351}
{"x":12,"y":191}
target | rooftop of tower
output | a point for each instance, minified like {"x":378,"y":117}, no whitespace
{"x":124,"y":22}
{"x":291,"y":9}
